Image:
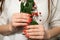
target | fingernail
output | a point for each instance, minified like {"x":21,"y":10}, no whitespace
{"x":30,"y":20}
{"x":35,"y":13}
{"x":27,"y":35}
{"x":24,"y":31}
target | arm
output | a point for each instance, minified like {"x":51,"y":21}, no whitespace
{"x":55,"y":22}
{"x":16,"y":22}
{"x":38,"y":31}
{"x":5,"y":29}
{"x":53,"y":32}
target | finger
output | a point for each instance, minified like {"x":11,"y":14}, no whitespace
{"x":40,"y":27}
{"x":32,"y":26}
{"x":33,"y":30}
{"x":19,"y":24}
{"x":20,"y":20}
{"x":18,"y":16}
{"x":24,"y":17}
{"x":36,"y":34}
{"x":25,"y":14}
{"x":21,"y":17}
{"x":36,"y":37}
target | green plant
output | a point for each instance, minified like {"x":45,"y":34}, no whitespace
{"x":27,"y":8}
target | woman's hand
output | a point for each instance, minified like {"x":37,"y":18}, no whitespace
{"x":20,"y":19}
{"x":35,"y":31}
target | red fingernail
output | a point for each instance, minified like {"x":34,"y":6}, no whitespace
{"x":36,"y":13}
{"x":24,"y":31}
{"x":30,"y":20}
{"x":27,"y":35}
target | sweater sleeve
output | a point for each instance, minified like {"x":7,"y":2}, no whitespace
{"x":55,"y":19}
{"x":4,"y":16}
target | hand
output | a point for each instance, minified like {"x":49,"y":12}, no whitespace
{"x":20,"y":19}
{"x":35,"y":32}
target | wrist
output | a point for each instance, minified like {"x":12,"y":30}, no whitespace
{"x":12,"y":28}
{"x":48,"y":35}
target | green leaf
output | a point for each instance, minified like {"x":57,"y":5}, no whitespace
{"x":27,"y":8}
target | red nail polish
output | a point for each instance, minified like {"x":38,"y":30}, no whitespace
{"x":36,"y":13}
{"x":30,"y":20}
{"x":24,"y":31}
{"x":27,"y":35}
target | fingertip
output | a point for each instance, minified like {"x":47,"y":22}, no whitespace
{"x":27,"y":35}
{"x":24,"y":31}
{"x":29,"y":21}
